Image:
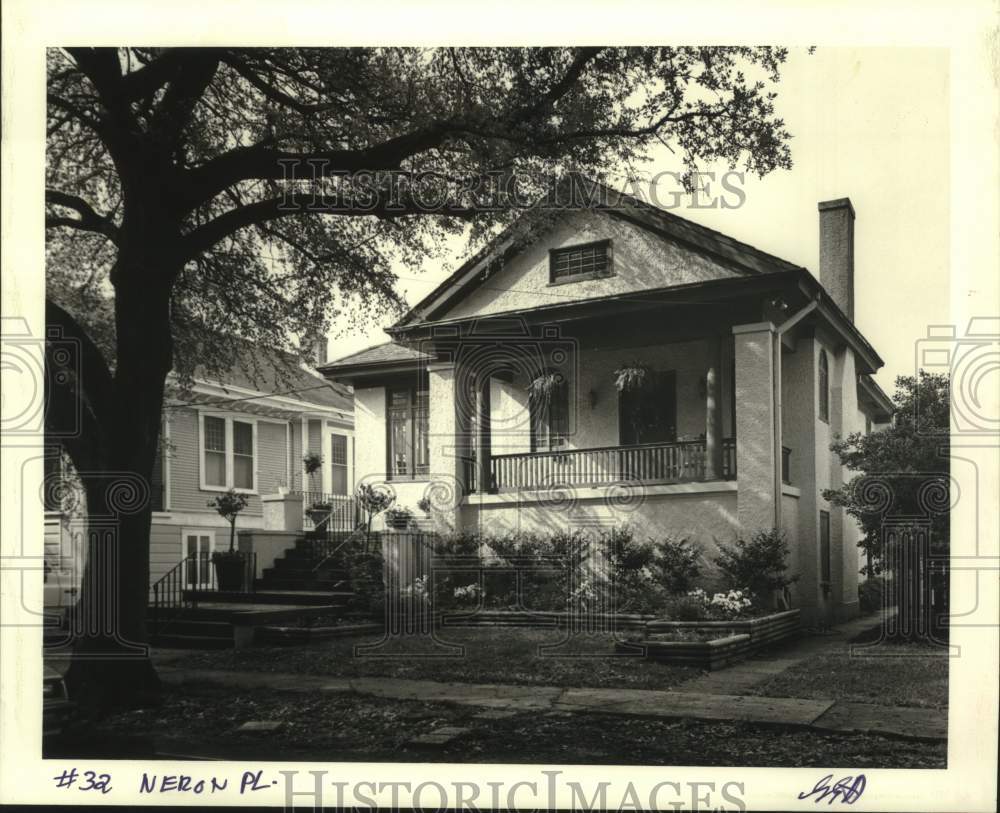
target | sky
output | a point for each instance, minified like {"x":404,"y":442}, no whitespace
{"x":871,"y":124}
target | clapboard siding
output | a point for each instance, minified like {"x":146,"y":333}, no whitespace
{"x":166,"y":549}
{"x":272,"y":454}
{"x":185,"y":493}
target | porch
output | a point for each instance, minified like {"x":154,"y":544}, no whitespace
{"x":652,"y":463}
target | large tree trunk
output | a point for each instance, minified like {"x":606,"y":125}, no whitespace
{"x":111,"y":666}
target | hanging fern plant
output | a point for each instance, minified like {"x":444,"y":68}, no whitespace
{"x":630,"y":376}
{"x":540,"y":390}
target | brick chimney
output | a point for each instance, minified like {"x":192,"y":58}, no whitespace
{"x":836,"y":252}
{"x":319,"y":351}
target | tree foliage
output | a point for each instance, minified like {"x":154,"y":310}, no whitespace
{"x":903,"y":470}
{"x":211,"y":132}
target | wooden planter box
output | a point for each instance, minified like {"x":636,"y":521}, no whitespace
{"x":542,"y":619}
{"x":737,"y":639}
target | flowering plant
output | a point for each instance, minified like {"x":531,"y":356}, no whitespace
{"x":418,"y":590}
{"x":731,"y":604}
{"x":727,"y":605}
{"x":469,"y":591}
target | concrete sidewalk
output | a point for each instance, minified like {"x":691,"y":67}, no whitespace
{"x":821,"y":715}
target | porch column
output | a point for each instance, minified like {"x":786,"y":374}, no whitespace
{"x":755,"y":462}
{"x":445,"y":444}
{"x":713,"y":411}
{"x":484,"y":452}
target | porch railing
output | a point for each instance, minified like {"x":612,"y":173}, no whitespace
{"x":329,"y":512}
{"x":180,"y":587}
{"x":679,"y":462}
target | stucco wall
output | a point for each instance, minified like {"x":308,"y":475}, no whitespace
{"x":369,"y":427}
{"x":642,"y":260}
{"x":702,"y":517}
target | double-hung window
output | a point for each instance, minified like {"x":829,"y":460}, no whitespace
{"x":338,"y":464}
{"x":409,"y":447}
{"x":228,"y":453}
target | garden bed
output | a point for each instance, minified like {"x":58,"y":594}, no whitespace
{"x":722,"y":642}
{"x":299,"y":635}
{"x":541,"y":619}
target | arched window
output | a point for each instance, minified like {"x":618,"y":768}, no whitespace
{"x":824,"y":387}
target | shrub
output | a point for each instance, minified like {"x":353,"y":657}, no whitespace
{"x":870,"y":595}
{"x":690,"y":607}
{"x":364,"y":570}
{"x":757,"y":565}
{"x":677,"y":564}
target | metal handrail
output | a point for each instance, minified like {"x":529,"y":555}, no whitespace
{"x":175,"y":590}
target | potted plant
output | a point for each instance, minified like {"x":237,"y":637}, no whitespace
{"x":630,"y":376}
{"x":424,"y":504}
{"x":541,"y":388}
{"x":312,"y":462}
{"x":229,"y":564}
{"x":398,"y":518}
{"x":319,"y":513}
{"x":372,"y":501}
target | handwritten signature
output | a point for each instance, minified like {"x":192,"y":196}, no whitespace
{"x":847,"y":790}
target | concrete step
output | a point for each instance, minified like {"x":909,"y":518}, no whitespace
{"x":189,"y":624}
{"x":194,"y":641}
{"x":274,"y":596}
{"x":309,"y":585}
{"x":295,"y":570}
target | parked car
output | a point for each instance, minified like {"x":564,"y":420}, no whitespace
{"x":57,"y":708}
{"x":59,"y":592}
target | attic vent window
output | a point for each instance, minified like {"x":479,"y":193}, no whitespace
{"x":575,"y":263}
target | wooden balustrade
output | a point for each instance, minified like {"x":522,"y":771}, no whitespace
{"x":679,"y":462}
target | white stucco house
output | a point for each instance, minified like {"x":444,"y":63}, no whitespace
{"x":624,"y":364}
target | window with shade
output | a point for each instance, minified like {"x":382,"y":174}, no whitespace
{"x":409,"y":446}
{"x":228,"y":453}
{"x":824,"y":387}
{"x":824,"y":546}
{"x":338,"y":464}
{"x":215,"y":451}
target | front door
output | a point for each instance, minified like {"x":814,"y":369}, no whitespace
{"x":649,"y":414}
{"x":198,"y":547}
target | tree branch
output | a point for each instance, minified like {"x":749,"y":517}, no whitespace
{"x":225,"y":225}
{"x":264,"y":162}
{"x":89,"y":219}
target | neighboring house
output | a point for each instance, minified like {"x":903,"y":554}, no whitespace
{"x":250,"y":435}
{"x":498,"y":396}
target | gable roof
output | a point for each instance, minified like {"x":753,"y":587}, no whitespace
{"x":387,"y":357}
{"x":742,"y":257}
{"x":288,"y":380}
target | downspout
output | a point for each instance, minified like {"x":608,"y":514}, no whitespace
{"x":785,"y":326}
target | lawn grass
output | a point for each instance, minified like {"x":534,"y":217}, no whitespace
{"x":491,"y":655}
{"x":884,"y":675}
{"x":202,"y":721}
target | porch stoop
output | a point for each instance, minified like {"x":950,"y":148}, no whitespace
{"x":306,"y":582}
